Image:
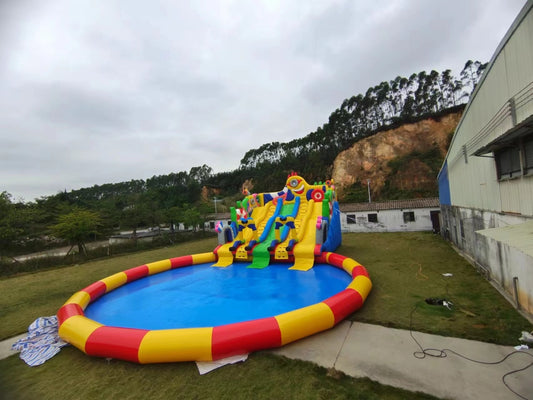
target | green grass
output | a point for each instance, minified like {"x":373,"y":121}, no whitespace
{"x":73,"y":375}
{"x":405,"y":269}
{"x":31,"y":295}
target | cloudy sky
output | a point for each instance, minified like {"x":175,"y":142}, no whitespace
{"x":94,"y":92}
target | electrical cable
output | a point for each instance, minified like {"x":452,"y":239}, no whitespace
{"x":342,"y":345}
{"x":443,"y":353}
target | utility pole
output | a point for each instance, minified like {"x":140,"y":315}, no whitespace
{"x":215,"y":200}
{"x":368,"y":184}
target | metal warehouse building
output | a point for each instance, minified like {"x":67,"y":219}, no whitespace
{"x":486,"y":182}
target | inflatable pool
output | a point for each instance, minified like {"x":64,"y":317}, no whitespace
{"x":298,"y":227}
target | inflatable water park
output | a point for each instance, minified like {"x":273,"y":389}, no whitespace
{"x":274,"y":278}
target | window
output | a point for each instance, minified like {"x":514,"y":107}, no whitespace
{"x":528,"y":155}
{"x":508,"y":162}
{"x":515,"y":158}
{"x":408,"y":216}
{"x":372,"y":218}
{"x":350,"y":218}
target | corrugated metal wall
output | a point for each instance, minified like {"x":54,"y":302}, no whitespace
{"x":473,"y":179}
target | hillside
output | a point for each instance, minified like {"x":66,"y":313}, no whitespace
{"x":400,"y":163}
{"x":393,"y":103}
{"x":394,"y":134}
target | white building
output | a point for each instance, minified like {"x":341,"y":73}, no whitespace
{"x":486,"y":182}
{"x":391,"y":216}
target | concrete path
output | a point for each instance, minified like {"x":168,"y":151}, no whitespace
{"x":5,"y":346}
{"x":386,"y":355}
{"x":60,"y":251}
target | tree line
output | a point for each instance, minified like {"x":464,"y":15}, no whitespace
{"x":389,"y":104}
{"x":168,"y":199}
{"x":98,"y":211}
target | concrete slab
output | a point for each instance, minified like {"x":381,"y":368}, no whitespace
{"x":5,"y":346}
{"x":322,"y":349}
{"x":386,"y":355}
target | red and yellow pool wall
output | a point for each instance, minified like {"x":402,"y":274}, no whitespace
{"x":210,"y":343}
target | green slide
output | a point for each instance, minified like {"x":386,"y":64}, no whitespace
{"x":261,"y":255}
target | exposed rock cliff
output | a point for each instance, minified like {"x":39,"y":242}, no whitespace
{"x":396,"y":161}
{"x":208,"y":193}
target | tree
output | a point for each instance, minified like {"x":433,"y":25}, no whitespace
{"x":192,"y":218}
{"x":174,"y":216}
{"x":200,"y":174}
{"x":77,"y":227}
{"x":8,"y":232}
{"x":471,"y":74}
{"x":18,"y":224}
{"x":204,"y":209}
{"x":133,"y":217}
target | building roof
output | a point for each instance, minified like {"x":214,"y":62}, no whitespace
{"x":519,"y":236}
{"x":432,"y":202}
{"x":218,"y":216}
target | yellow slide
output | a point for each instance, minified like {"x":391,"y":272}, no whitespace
{"x":260,"y":215}
{"x":225,"y":256}
{"x":304,"y":251}
{"x":281,"y":249}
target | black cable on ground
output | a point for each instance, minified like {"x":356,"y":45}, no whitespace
{"x":443,"y":353}
{"x":342,"y":345}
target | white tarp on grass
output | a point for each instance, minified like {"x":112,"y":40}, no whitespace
{"x":42,"y":342}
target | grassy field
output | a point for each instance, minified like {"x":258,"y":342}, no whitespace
{"x":73,"y":375}
{"x":28,"y":296}
{"x":406,"y":268}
